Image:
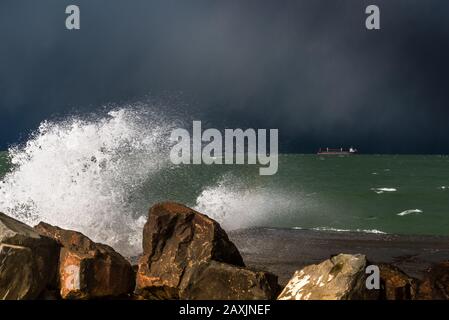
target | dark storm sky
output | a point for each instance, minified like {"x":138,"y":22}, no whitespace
{"x":309,"y":68}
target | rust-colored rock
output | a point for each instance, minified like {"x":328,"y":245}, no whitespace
{"x":89,"y":270}
{"x":396,"y":285}
{"x":177,"y":239}
{"x":28,"y":261}
{"x":435,"y":283}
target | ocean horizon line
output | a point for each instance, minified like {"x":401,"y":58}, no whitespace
{"x":358,"y":154}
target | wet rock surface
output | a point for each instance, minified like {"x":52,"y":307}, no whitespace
{"x":283,"y":251}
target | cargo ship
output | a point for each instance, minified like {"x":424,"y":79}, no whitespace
{"x":337,"y":152}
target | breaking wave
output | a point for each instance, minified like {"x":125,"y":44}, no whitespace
{"x":374,"y":231}
{"x":236,"y":205}
{"x":85,"y":174}
{"x":410,"y":211}
{"x":382,"y":190}
{"x":100,"y":175}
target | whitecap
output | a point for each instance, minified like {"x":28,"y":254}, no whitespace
{"x":382,"y":190}
{"x":375,"y":231}
{"x":410,"y":211}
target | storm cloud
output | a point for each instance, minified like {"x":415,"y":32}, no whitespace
{"x":309,"y":68}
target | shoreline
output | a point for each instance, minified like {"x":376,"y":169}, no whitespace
{"x":283,"y":251}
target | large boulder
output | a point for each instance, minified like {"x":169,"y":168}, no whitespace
{"x":28,"y":261}
{"x":89,"y":270}
{"x":341,"y":277}
{"x":176,"y":240}
{"x":435,"y":283}
{"x":396,"y":285}
{"x":221,"y":281}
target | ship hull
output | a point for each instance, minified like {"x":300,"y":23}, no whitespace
{"x":335,"y":153}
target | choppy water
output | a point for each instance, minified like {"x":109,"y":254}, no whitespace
{"x":100,"y":176}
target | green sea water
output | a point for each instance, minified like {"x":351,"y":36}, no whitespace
{"x":401,"y":194}
{"x":4,"y":163}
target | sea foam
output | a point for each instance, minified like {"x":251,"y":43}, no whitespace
{"x":236,"y":205}
{"x":86,"y":174}
{"x":382,"y":190}
{"x":410,"y":211}
{"x":374,"y":231}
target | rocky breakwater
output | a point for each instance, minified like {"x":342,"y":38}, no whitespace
{"x":51,"y":263}
{"x":88,"y":270}
{"x":187,"y":255}
{"x":341,"y":277}
{"x":345,"y":277}
{"x":28,"y":260}
{"x":435,"y":285}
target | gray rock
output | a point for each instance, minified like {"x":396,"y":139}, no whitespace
{"x":341,"y":277}
{"x":28,"y":261}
